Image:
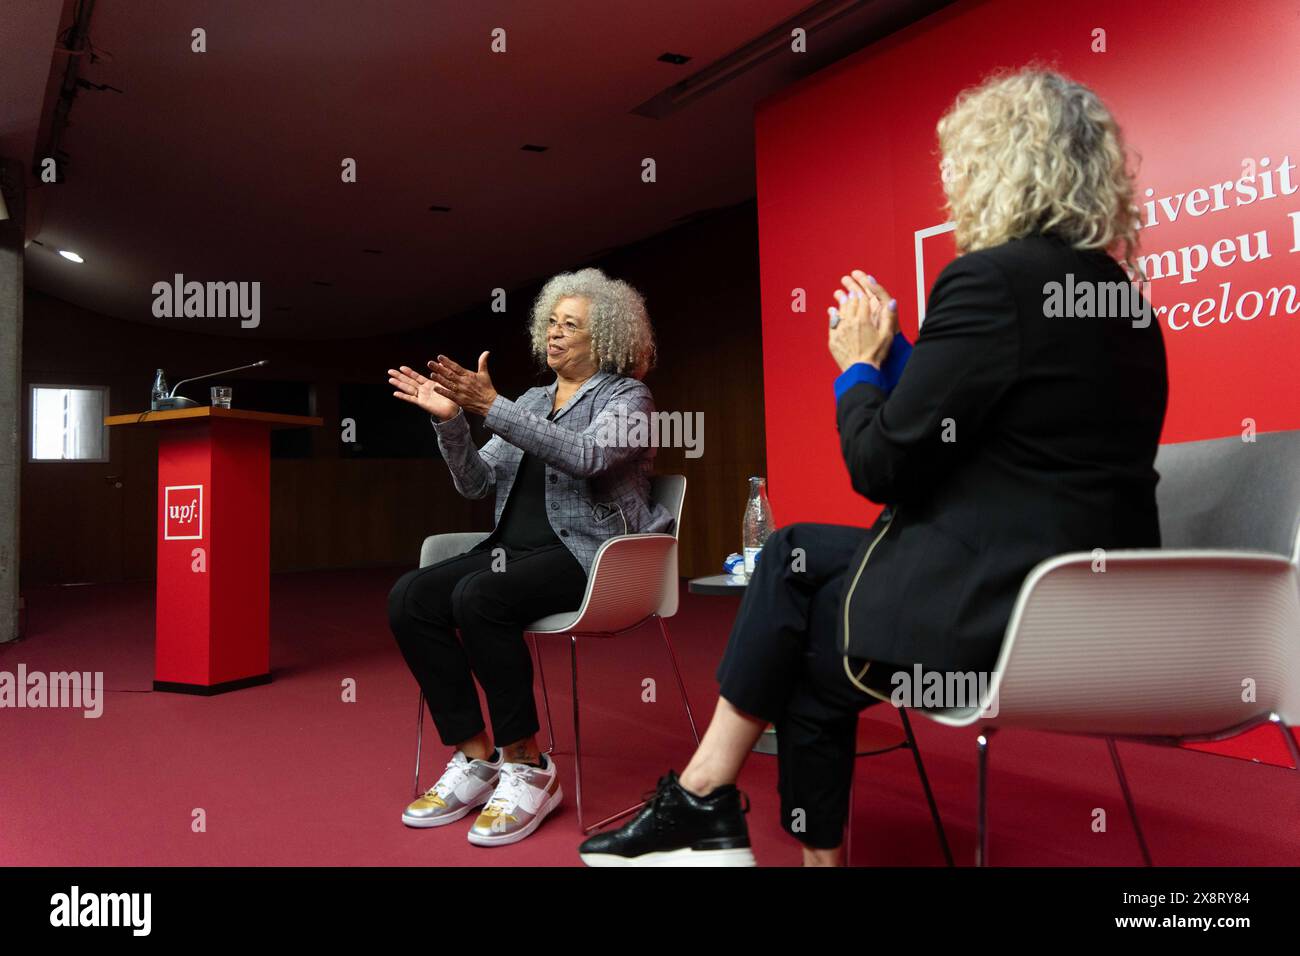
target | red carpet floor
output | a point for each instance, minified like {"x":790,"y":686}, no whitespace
{"x":289,"y":774}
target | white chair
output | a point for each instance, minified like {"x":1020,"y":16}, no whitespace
{"x":1194,"y":642}
{"x":633,"y":578}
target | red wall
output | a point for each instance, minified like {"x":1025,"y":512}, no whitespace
{"x":848,"y":172}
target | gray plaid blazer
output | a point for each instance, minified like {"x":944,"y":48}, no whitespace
{"x":595,"y":488}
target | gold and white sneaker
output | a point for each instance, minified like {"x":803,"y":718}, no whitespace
{"x":465,"y":785}
{"x":524,"y":796}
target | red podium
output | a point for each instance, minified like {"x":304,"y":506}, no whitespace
{"x":212,"y":631}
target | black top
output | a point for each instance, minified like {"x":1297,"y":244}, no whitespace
{"x":524,"y":525}
{"x":1011,"y":437}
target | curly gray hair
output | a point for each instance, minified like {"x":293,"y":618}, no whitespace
{"x":622,"y":340}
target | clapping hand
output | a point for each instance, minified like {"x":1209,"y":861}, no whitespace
{"x":470,"y":390}
{"x":864,"y":324}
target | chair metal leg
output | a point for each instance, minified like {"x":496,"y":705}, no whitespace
{"x":1128,"y":799}
{"x":577,"y":737}
{"x":419,"y":733}
{"x":681,"y":685}
{"x":925,"y":785}
{"x":981,"y":826}
{"x":546,"y":698}
{"x":577,"y":754}
{"x":1289,"y":737}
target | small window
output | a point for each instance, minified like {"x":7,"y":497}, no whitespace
{"x":68,"y":423}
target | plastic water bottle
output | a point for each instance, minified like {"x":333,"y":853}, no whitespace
{"x":757,"y":525}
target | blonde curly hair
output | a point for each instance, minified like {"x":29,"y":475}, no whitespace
{"x":622,"y":339}
{"x":1032,"y":151}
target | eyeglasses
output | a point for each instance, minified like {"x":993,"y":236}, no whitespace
{"x":568,"y":328}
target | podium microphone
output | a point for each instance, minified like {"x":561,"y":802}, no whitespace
{"x":163,"y":399}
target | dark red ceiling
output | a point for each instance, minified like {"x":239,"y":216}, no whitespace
{"x":225,"y":165}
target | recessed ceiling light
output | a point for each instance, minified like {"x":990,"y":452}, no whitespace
{"x":439,"y":209}
{"x":71,"y":256}
{"x":677,"y":59}
{"x":534,"y":148}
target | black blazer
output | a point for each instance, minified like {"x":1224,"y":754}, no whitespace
{"x":1011,"y":437}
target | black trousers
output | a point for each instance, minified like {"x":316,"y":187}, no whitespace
{"x":782,"y":665}
{"x":489,"y":597}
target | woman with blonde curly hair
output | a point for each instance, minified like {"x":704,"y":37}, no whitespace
{"x":1008,"y":435}
{"x":562,"y":487}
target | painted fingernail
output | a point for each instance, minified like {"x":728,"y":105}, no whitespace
{"x":893,"y":305}
{"x":835,"y":317}
{"x":871,"y":279}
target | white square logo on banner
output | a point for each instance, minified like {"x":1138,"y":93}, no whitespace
{"x":921,"y":285}
{"x":182,"y":512}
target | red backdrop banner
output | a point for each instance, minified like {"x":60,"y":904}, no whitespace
{"x":1207,"y":94}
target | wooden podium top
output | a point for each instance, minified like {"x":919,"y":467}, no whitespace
{"x":274,"y":419}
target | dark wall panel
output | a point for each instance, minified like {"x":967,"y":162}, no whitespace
{"x":338,"y":504}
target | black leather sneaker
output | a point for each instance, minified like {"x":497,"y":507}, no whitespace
{"x":677,"y":828}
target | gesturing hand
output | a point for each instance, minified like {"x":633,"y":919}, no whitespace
{"x":867,"y":321}
{"x":415,"y":388}
{"x":469,"y":390}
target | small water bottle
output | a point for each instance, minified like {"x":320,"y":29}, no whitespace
{"x":757,"y":525}
{"x":159,"y":388}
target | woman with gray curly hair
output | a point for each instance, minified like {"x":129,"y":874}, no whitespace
{"x":564,"y":480}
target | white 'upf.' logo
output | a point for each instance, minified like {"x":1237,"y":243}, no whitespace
{"x":183,"y":512}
